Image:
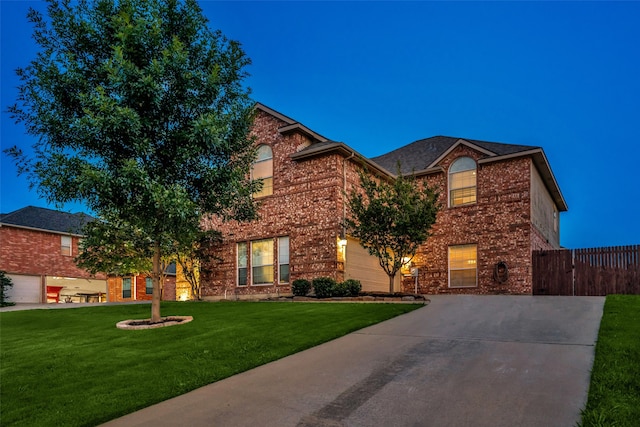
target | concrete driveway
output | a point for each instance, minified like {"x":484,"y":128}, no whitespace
{"x":459,"y":361}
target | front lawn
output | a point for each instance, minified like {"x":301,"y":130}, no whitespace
{"x":614,"y":393}
{"x":73,"y":367}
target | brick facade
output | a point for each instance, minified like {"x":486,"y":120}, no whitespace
{"x":499,"y":224}
{"x":36,"y":252}
{"x":39,"y":254}
{"x":305,"y":207}
{"x":511,"y":217}
{"x":139,"y":289}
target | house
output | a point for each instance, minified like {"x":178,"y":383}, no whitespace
{"x":500,"y":202}
{"x":139,"y":287}
{"x":37,"y":250}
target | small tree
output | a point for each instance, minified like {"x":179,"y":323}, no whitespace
{"x":5,"y":284}
{"x":140,"y":112}
{"x":192,"y":254}
{"x":391,"y":219}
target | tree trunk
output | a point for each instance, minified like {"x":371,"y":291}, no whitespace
{"x":391,"y":282}
{"x":155,"y":276}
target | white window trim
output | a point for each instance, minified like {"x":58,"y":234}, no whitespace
{"x":251,"y":266}
{"x":246,"y":267}
{"x":451,"y":205}
{"x":461,"y":269}
{"x":264,"y":177}
{"x":276,"y":264}
{"x":279,"y":281}
{"x":64,"y":239}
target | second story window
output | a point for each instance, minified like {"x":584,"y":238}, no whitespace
{"x":263,"y":169}
{"x":462,"y":182}
{"x":65,"y":245}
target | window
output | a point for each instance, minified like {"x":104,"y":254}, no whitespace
{"x":462,"y":182}
{"x":242,"y":264}
{"x":283,"y":260}
{"x":126,"y":287}
{"x":65,"y":245}
{"x":262,"y":262}
{"x":149,"y":285}
{"x":259,"y":257}
{"x":463,"y":270}
{"x":263,"y":169}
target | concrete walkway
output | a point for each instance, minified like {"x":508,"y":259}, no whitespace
{"x":459,"y":361}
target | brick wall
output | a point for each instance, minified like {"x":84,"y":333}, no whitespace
{"x":307,"y":205}
{"x":304,"y":206}
{"x":139,"y":289}
{"x":32,"y":252}
{"x":499,"y":224}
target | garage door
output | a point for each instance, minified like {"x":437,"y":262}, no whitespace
{"x":72,"y":286}
{"x":25,"y":289}
{"x":365,"y":268}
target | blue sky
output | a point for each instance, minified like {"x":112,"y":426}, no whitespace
{"x":378,"y":75}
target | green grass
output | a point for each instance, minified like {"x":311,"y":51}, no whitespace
{"x":614,"y":393}
{"x":74,"y":367}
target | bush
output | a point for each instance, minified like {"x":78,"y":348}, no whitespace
{"x":352,"y":287}
{"x":300,"y":287}
{"x":324,"y":287}
{"x":340,"y":290}
{"x":5,"y":283}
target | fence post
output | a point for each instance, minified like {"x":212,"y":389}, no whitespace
{"x":573,"y":272}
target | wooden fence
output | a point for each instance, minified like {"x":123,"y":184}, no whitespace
{"x":588,"y":272}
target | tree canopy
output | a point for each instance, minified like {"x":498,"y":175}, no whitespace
{"x":141,"y":112}
{"x":391,"y":218}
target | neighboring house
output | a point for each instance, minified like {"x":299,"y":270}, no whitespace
{"x":139,"y":287}
{"x":499,"y":202}
{"x":37,"y":250}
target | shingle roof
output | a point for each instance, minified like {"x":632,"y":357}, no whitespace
{"x":423,"y":155}
{"x":47,"y":219}
{"x":420,"y":155}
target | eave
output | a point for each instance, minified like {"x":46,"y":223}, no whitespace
{"x":343,"y":150}
{"x":42,"y":230}
{"x":542,"y":165}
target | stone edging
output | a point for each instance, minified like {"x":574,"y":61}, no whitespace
{"x":407,"y":299}
{"x":166,"y":321}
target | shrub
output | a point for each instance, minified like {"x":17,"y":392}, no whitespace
{"x":340,"y":290}
{"x":5,"y":283}
{"x":352,"y":287}
{"x":324,"y":287}
{"x":300,"y":287}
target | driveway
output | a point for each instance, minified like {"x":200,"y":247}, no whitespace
{"x":459,"y":361}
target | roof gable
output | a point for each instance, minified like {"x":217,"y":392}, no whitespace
{"x":422,"y":156}
{"x":47,"y":220}
{"x":427,"y":153}
{"x":292,"y":125}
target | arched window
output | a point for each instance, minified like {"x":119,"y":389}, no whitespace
{"x":462,"y":182}
{"x":263,"y":169}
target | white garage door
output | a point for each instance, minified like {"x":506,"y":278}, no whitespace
{"x":365,"y":268}
{"x":25,"y":289}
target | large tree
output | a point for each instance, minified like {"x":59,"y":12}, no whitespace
{"x":391,"y":218}
{"x":141,"y":112}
